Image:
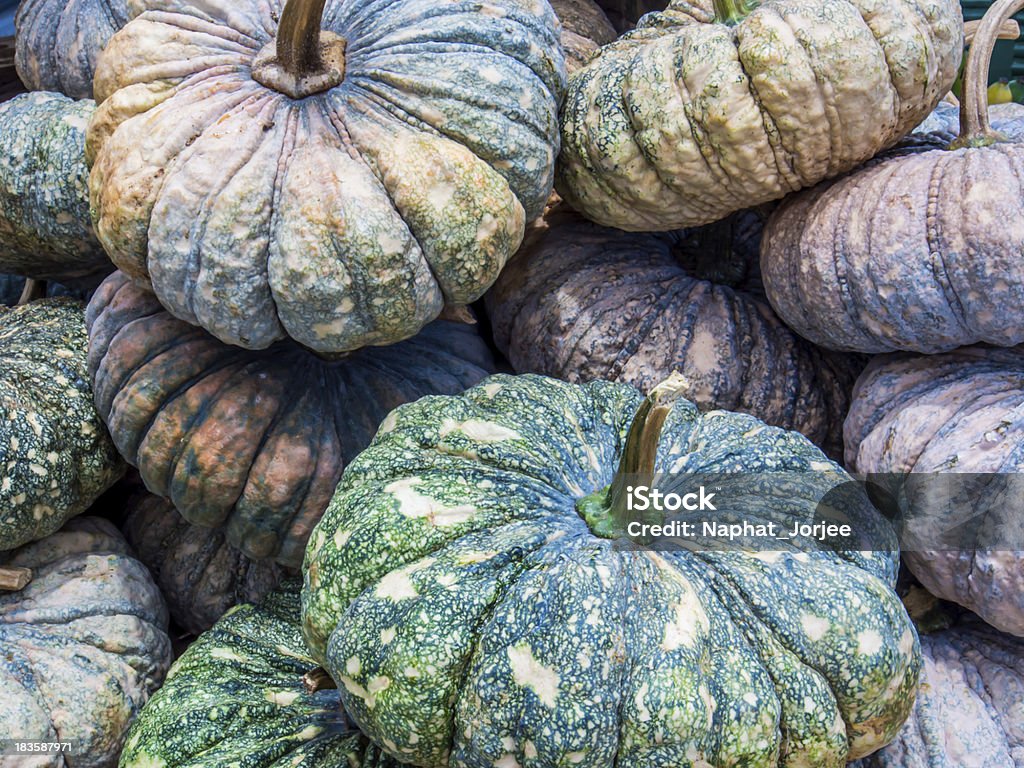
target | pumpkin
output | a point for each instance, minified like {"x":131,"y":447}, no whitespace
{"x":244,"y":694}
{"x":719,"y":105}
{"x":919,"y":252}
{"x":253,"y":441}
{"x":200,"y":575}
{"x":85,"y":643}
{"x":335,"y":186}
{"x":58,"y":42}
{"x":55,"y":451}
{"x":968,"y":711}
{"x":471,"y":591}
{"x":957,"y":412}
{"x":45,"y":229}
{"x":944,"y":121}
{"x":634,"y":307}
{"x":585,"y":29}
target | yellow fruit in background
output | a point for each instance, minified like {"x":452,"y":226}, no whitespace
{"x":1000,"y":93}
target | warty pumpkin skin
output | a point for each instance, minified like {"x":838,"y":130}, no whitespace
{"x":470,"y":615}
{"x":957,"y":412}
{"x":56,"y":455}
{"x":85,"y":643}
{"x":581,"y":302}
{"x":711,"y":107}
{"x":45,"y":229}
{"x":585,"y":29}
{"x":237,"y":696}
{"x":254,"y":441}
{"x":343,"y":219}
{"x":58,"y":42}
{"x":200,"y":574}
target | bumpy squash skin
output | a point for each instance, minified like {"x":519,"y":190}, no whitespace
{"x":968,"y":711}
{"x":58,"y":42}
{"x":56,"y":455}
{"x":344,"y":219}
{"x":236,"y":697}
{"x":955,"y":412}
{"x":254,"y":441}
{"x":685,"y":120}
{"x":45,"y":229}
{"x":84,"y":644}
{"x":200,"y":575}
{"x":629,"y":307}
{"x":471,"y":618}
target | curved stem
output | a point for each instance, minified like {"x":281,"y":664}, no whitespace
{"x":975,"y":130}
{"x":318,"y":680}
{"x":14,"y":579}
{"x":732,"y":12}
{"x":34,"y":289}
{"x":298,"y":36}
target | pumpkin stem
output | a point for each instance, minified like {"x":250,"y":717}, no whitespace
{"x":318,"y":680}
{"x":14,"y":579}
{"x":304,"y":59}
{"x":298,"y":36}
{"x":975,"y":130}
{"x":34,"y":289}
{"x":732,"y":12}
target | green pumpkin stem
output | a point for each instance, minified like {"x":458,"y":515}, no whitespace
{"x":298,"y":37}
{"x":975,"y":130}
{"x":732,"y":12}
{"x":34,"y":289}
{"x":14,"y":579}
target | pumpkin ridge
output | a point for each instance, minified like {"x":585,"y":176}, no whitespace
{"x":180,"y":19}
{"x":934,"y":240}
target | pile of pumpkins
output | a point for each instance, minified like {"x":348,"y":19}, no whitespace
{"x":333,"y":333}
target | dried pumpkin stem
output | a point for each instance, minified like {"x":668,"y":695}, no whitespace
{"x":318,"y":680}
{"x":975,"y":130}
{"x":34,"y":289}
{"x":732,"y":12}
{"x":14,"y":579}
{"x":298,"y":36}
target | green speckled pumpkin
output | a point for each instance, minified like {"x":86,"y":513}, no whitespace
{"x":58,"y":42}
{"x":920,"y":252}
{"x":56,"y":455}
{"x":340,"y":201}
{"x":84,"y":644}
{"x":237,"y":697}
{"x":959,"y":412}
{"x":718,"y":105}
{"x":200,"y":575}
{"x":254,"y":441}
{"x":471,"y":615}
{"x":970,"y":709}
{"x":45,"y":229}
{"x":582,"y":302}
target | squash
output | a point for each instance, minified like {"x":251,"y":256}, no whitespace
{"x":58,"y":42}
{"x":585,"y":29}
{"x":246,"y":693}
{"x":338,"y":195}
{"x":253,"y":441}
{"x":200,"y":575}
{"x":634,"y":307}
{"x":944,"y":121}
{"x":968,"y":712}
{"x":45,"y":229}
{"x":719,"y":105}
{"x":472,"y":591}
{"x":920,"y":252}
{"x":55,"y":451}
{"x":85,"y":643}
{"x":958,"y":412}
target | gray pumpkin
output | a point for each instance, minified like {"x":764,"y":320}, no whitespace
{"x":585,"y":29}
{"x":59,"y":41}
{"x":970,"y":707}
{"x":958,"y":412}
{"x":944,"y":121}
{"x":200,"y":574}
{"x":45,"y":228}
{"x":54,"y":448}
{"x":582,"y":302}
{"x":84,"y":644}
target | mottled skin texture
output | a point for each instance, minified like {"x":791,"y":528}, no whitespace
{"x":955,"y":412}
{"x":685,"y":119}
{"x":944,"y":121}
{"x":635,"y":307}
{"x":84,"y":644}
{"x":919,"y":252}
{"x":200,"y":574}
{"x":55,"y":453}
{"x":344,"y":219}
{"x":585,"y":29}
{"x":253,"y":441}
{"x":968,"y":711}
{"x":45,"y":230}
{"x":236,"y":697}
{"x":470,"y":617}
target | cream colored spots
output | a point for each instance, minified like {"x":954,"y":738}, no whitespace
{"x":869,"y":642}
{"x":387,"y":635}
{"x":369,"y":694}
{"x":309,"y":732}
{"x":226,"y":654}
{"x":529,"y":750}
{"x":814,"y":627}
{"x":282,"y":698}
{"x":353,"y":666}
{"x":413,"y":505}
{"x":529,"y":673}
{"x":389,"y":424}
{"x":508,"y":760}
{"x":480,"y":431}
{"x":491,"y":389}
{"x":688,"y":624}
{"x":341,"y":537}
{"x":398,"y":584}
{"x":487,"y":228}
{"x":643,"y":713}
{"x":441,"y":194}
{"x":906,"y":642}
{"x":750,"y":698}
{"x":491,"y":75}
